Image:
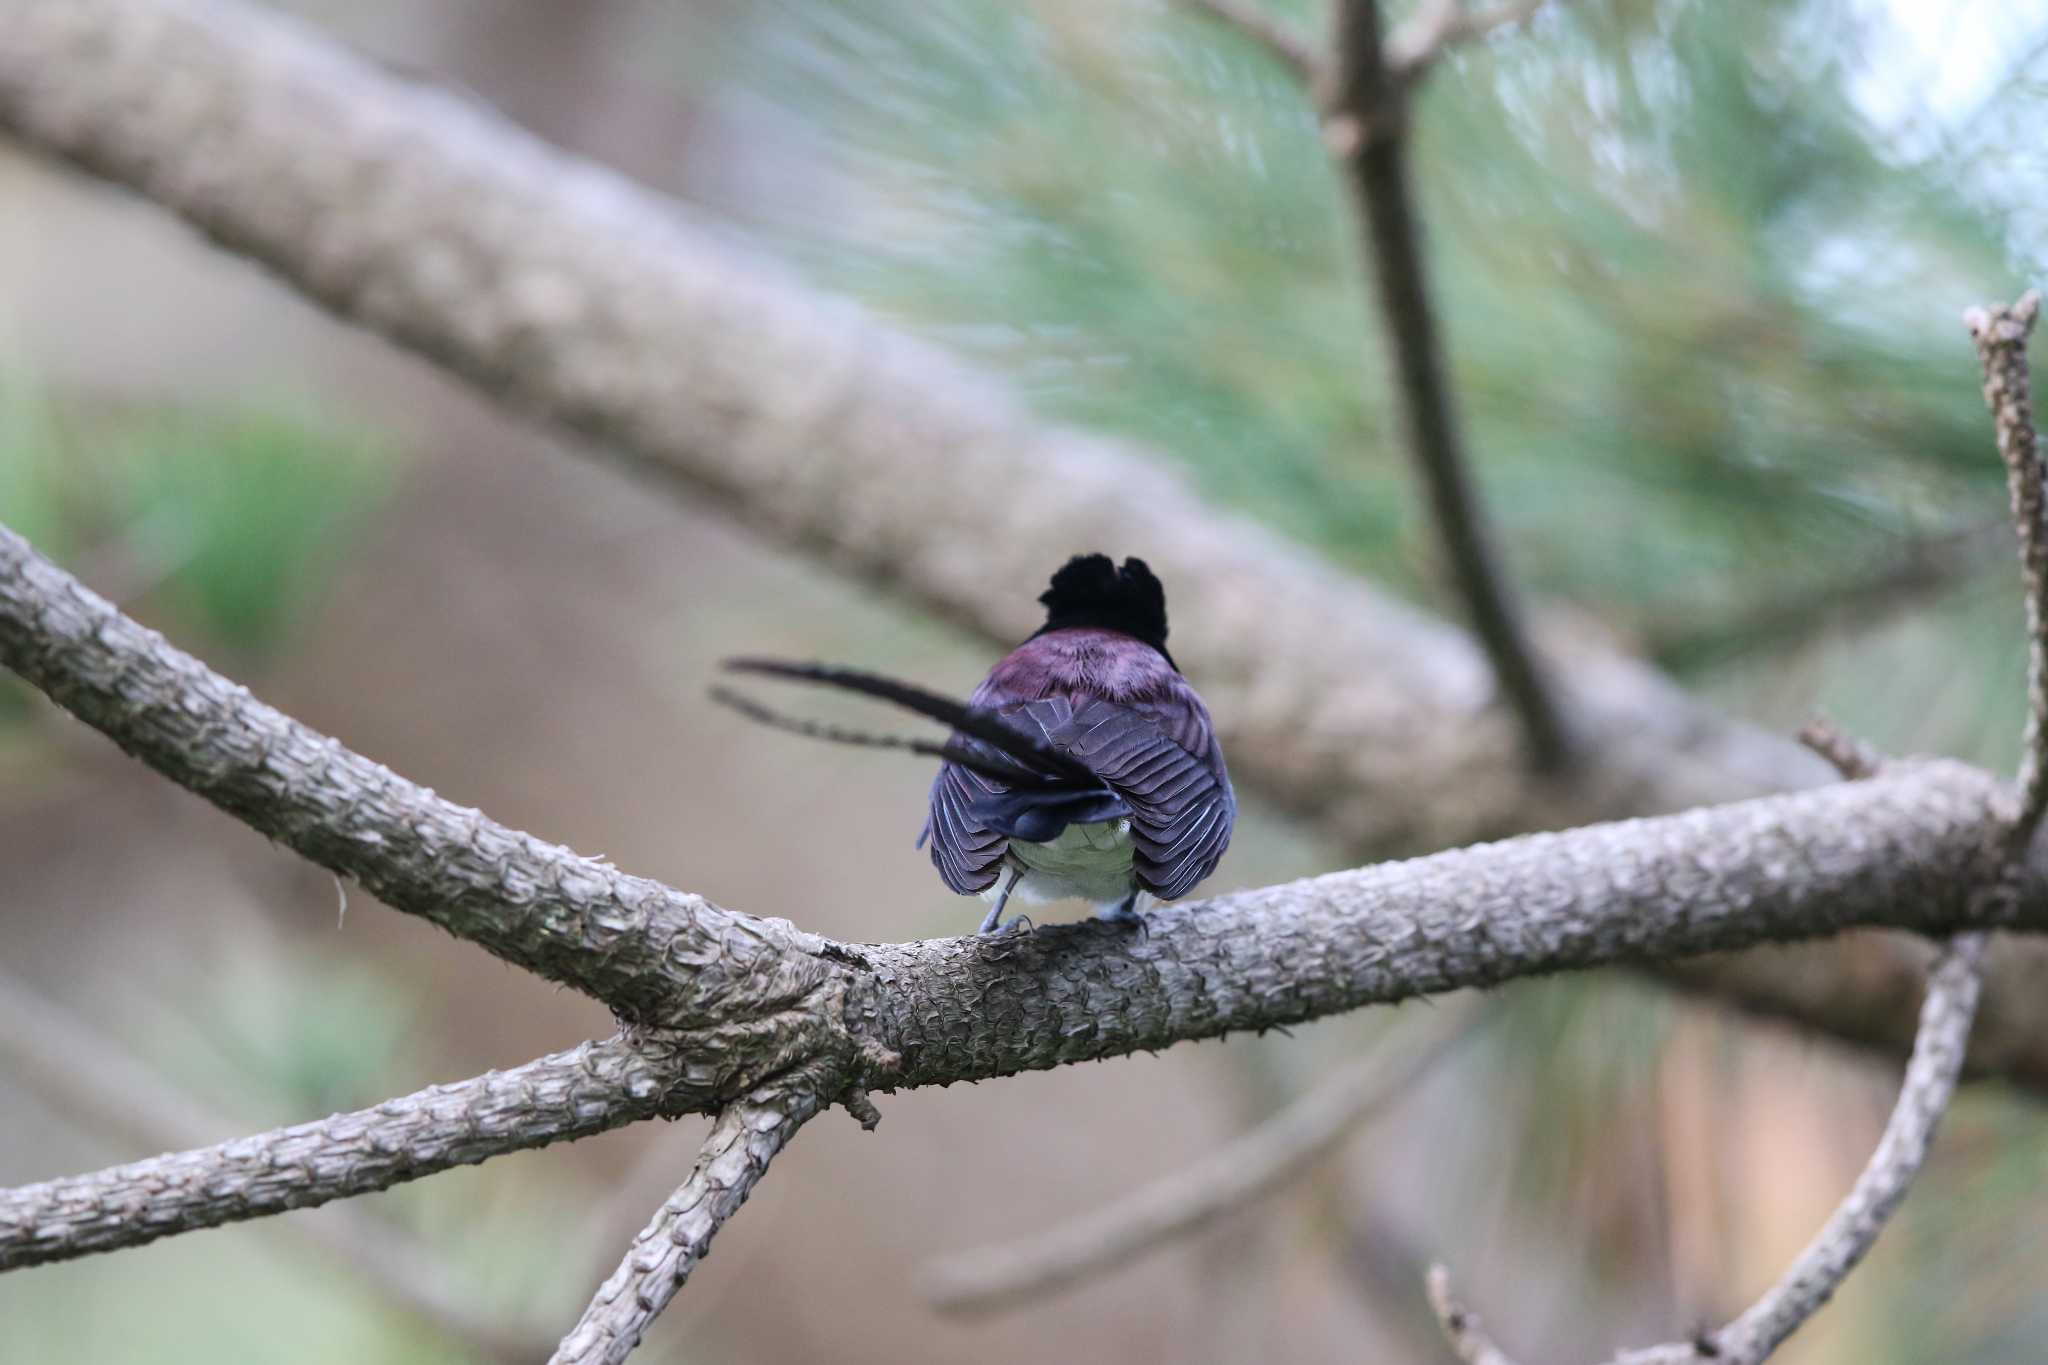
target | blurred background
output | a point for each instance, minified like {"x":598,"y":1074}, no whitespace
{"x":1701,"y":267}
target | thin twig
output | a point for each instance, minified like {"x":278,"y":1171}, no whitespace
{"x":1285,"y":45}
{"x":1461,"y":1326}
{"x":1851,"y":757}
{"x":2001,"y":334}
{"x":90,"y":1077}
{"x":744,"y":1138}
{"x":1364,"y":116}
{"x":1931,"y":1074}
{"x":1439,"y":25}
{"x":1017,"y":1273}
{"x":1929,"y":1086}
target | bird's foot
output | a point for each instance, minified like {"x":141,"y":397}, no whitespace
{"x":990,"y":928}
{"x":1125,"y":914}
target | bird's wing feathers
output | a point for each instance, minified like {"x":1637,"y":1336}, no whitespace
{"x":1182,"y":807}
{"x":1156,"y":764}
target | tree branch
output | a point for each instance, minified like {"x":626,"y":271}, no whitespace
{"x":1909,"y":849}
{"x":1439,"y":25}
{"x":1253,"y":1166}
{"x":1364,"y":119}
{"x":1849,"y":1234}
{"x":634,"y":944}
{"x":743,"y":1140}
{"x":1287,"y":47}
{"x":2001,"y":334}
{"x":556,"y":1098}
{"x":88,"y":1076}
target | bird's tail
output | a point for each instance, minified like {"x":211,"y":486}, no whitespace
{"x":1012,"y":756}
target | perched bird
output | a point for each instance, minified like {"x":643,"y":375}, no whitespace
{"x":1084,"y":766}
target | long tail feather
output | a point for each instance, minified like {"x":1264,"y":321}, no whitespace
{"x":997,"y":766}
{"x":1029,"y":750}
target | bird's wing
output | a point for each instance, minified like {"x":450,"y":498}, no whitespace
{"x":1182,"y":807}
{"x":966,"y":851}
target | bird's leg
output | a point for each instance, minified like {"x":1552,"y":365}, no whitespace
{"x":1124,"y":912}
{"x":992,"y":922}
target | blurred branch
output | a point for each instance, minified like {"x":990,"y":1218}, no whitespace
{"x":1365,"y":115}
{"x":1289,"y":48}
{"x":1461,"y":1326}
{"x":60,"y":1055}
{"x":1439,"y":25}
{"x":1918,"y":569}
{"x":1851,"y":757}
{"x":556,"y":1098}
{"x":566,"y":291}
{"x":1250,"y":1168}
{"x":743,"y":1140}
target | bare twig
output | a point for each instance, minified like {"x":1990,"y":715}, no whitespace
{"x":1461,"y":1326}
{"x":1439,"y":25}
{"x":1909,"y":574}
{"x":744,"y":1138}
{"x":1931,"y":1074}
{"x":1852,"y":758}
{"x":1017,"y":1273}
{"x":2001,"y":334}
{"x":1286,"y":46}
{"x":61,"y":1055}
{"x":1848,"y":1235}
{"x":1364,"y":117}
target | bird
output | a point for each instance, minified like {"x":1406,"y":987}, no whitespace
{"x":1085,"y":766}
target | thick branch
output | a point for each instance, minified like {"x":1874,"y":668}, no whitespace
{"x":1364,"y":119}
{"x":1186,"y":1200}
{"x":743,"y":1140}
{"x":1908,"y":849}
{"x":635,"y":944}
{"x":556,"y":1098}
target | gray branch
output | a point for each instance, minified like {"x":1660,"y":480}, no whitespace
{"x":1848,"y":1235}
{"x":743,"y":1140}
{"x":557,"y":1098}
{"x":2001,"y":335}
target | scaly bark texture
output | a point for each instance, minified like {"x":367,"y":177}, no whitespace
{"x":744,"y":1139}
{"x":557,"y":1098}
{"x":633,"y":943}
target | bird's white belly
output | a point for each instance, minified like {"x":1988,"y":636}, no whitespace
{"x":1086,"y":862}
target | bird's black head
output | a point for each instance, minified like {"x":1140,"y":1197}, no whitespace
{"x":1092,"y":591}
